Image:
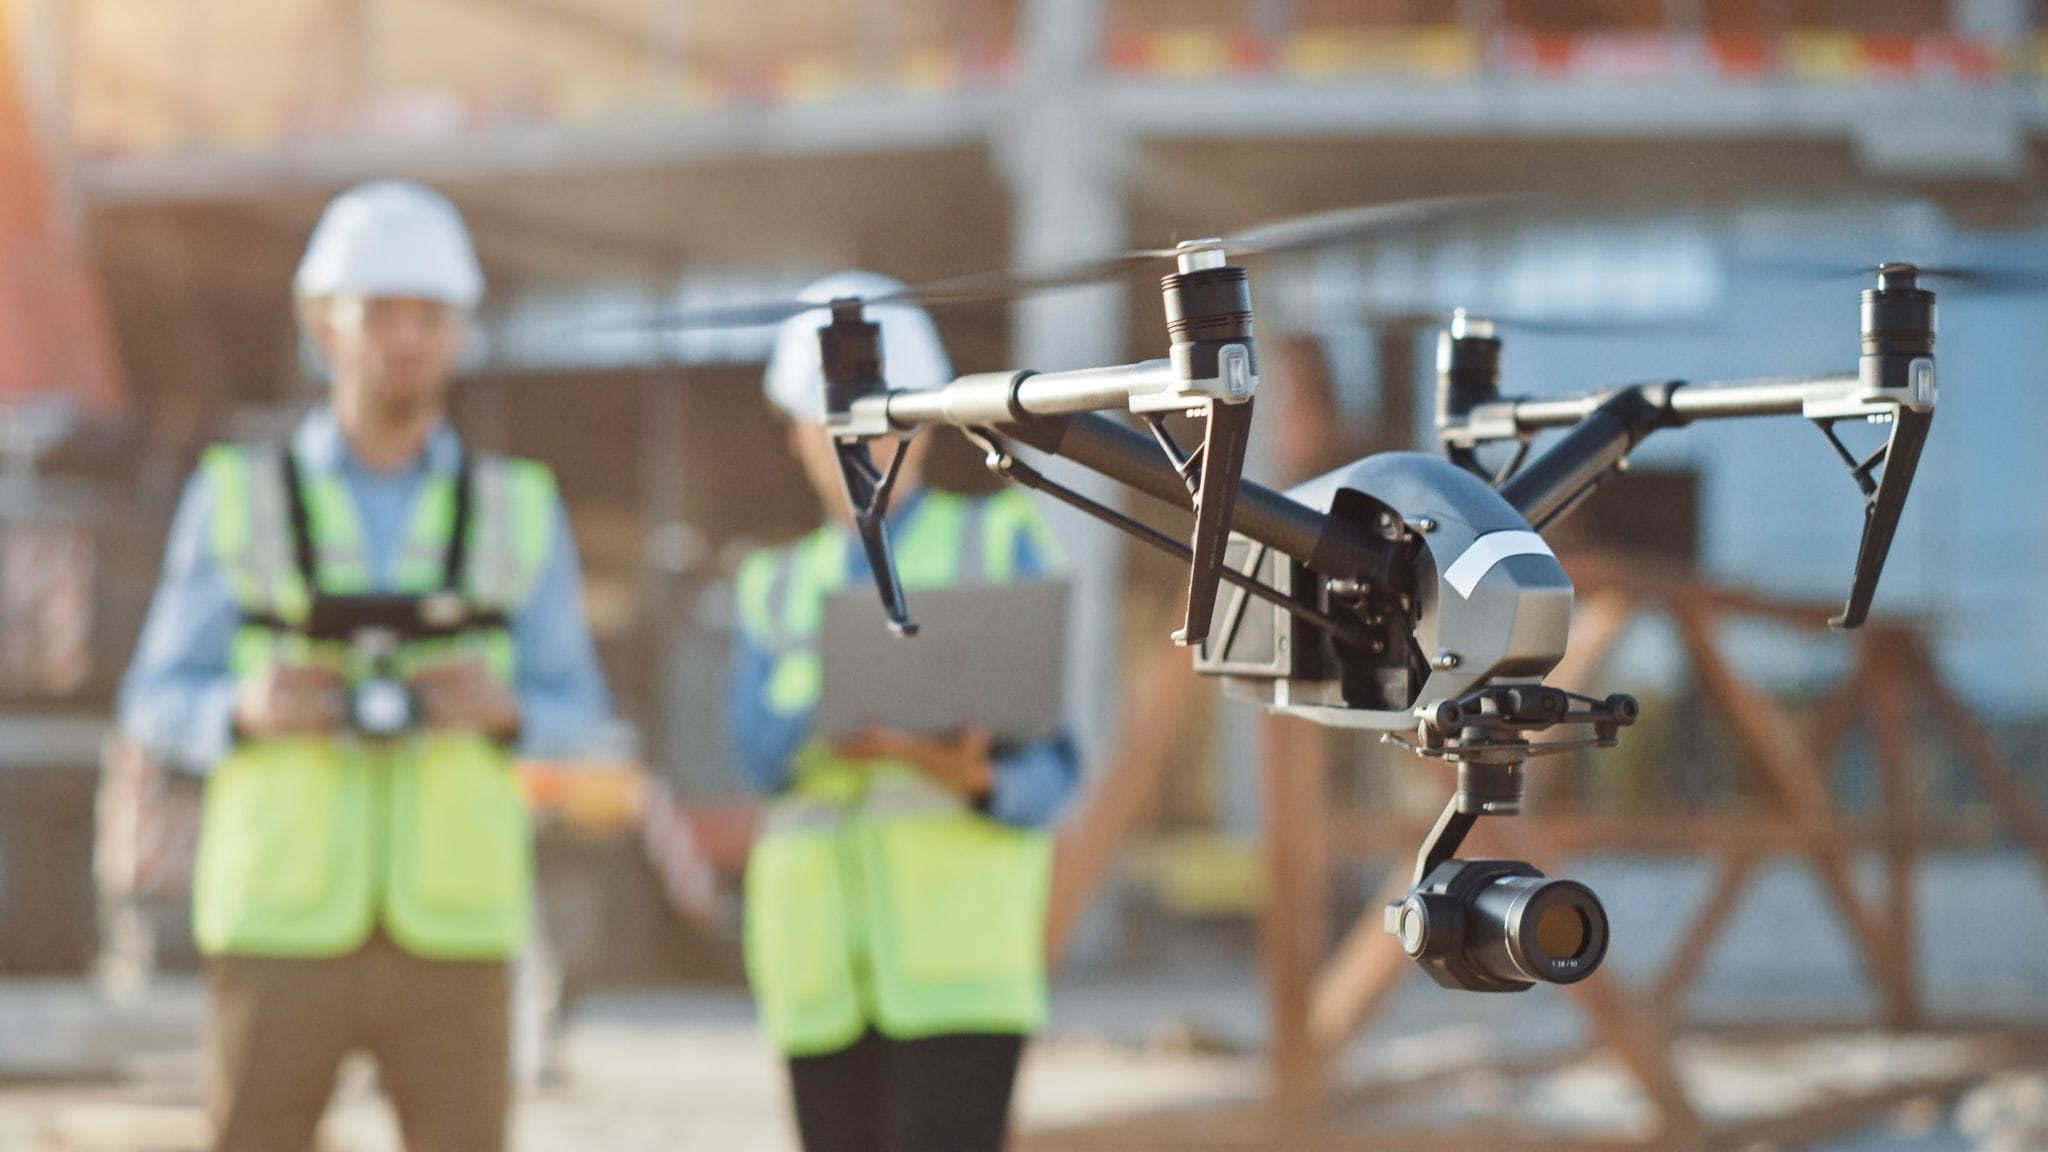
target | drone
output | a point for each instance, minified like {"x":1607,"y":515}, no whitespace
{"x":1407,"y":593}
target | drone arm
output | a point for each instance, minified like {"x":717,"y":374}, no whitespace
{"x":1326,"y":544}
{"x":1831,"y":396}
{"x":992,"y":398}
{"x":1059,"y":413}
{"x":1548,"y":486}
{"x":1604,"y":429}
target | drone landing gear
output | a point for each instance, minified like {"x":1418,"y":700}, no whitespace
{"x":868,"y":489}
{"x":1211,"y":472}
{"x":850,"y":353}
{"x":1884,"y":477}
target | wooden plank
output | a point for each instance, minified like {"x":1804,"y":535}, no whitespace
{"x":1891,"y":705}
{"x":1621,"y":1019}
{"x":1831,"y":1117}
{"x":1348,"y":1099}
{"x":1128,"y":783}
{"x":1666,"y":582}
{"x":1355,"y":983}
{"x":1200,"y":1133}
{"x":1780,"y":756}
{"x":2022,"y":809}
{"x":1292,"y":921}
{"x":1833,"y":716}
{"x":1358,"y":835}
{"x":1669,"y":991}
{"x":1601,"y":618}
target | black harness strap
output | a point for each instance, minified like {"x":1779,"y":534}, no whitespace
{"x":307,"y":558}
{"x":302,"y":525}
{"x":458,"y":531}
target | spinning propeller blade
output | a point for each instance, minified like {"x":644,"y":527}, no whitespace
{"x":1294,"y":234}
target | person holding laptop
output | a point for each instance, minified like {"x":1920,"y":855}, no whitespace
{"x":896,"y":894}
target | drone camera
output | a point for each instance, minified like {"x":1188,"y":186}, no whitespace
{"x":1500,"y":926}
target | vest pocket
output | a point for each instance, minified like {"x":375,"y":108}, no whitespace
{"x":463,"y":845}
{"x":268,"y":844}
{"x":961,"y":897}
{"x":798,"y":937}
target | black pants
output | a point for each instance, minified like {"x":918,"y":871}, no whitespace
{"x":941,"y":1094}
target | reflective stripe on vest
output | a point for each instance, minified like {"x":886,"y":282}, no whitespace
{"x":875,"y":897}
{"x":307,"y":843}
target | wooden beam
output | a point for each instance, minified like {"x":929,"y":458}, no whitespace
{"x":1127,"y":785}
{"x":1891,"y":705}
{"x":1359,"y":835}
{"x":1203,"y":1132}
{"x":1622,"y":1021}
{"x":1832,"y":718}
{"x":1602,"y":616}
{"x":1292,"y":920}
{"x":1366,"y":969}
{"x":2017,"y":803}
{"x":1779,"y":755}
{"x":1818,"y":1121}
{"x":1665,"y":582}
{"x":1669,"y":991}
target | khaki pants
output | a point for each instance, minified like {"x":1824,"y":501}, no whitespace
{"x":281,"y":1028}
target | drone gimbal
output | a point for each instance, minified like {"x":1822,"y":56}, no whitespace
{"x":1406,"y":593}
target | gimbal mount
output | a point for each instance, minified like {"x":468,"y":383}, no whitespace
{"x":1402,"y":592}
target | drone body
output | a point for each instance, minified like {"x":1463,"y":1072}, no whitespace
{"x":1403,"y":592}
{"x":1482,"y":599}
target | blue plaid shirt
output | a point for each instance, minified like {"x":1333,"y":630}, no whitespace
{"x":178,"y":697}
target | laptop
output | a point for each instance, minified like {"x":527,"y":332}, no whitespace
{"x":991,"y":656}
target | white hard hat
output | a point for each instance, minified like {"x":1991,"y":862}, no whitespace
{"x":912,"y":356}
{"x":391,"y":238}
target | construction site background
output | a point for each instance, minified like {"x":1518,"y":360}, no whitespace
{"x":161,"y":162}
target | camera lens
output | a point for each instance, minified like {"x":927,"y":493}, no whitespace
{"x":1531,"y":928}
{"x":1500,"y":926}
{"x":1562,"y":931}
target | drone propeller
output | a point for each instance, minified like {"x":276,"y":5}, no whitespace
{"x":1541,"y":326}
{"x":1983,"y":279}
{"x":1292,"y":234}
{"x":1347,"y":225}
{"x":1967,"y":277}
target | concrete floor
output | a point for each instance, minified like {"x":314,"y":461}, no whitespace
{"x":682,"y":1070}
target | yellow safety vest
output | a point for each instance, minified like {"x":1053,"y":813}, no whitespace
{"x":307,"y":843}
{"x":874,"y":897}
